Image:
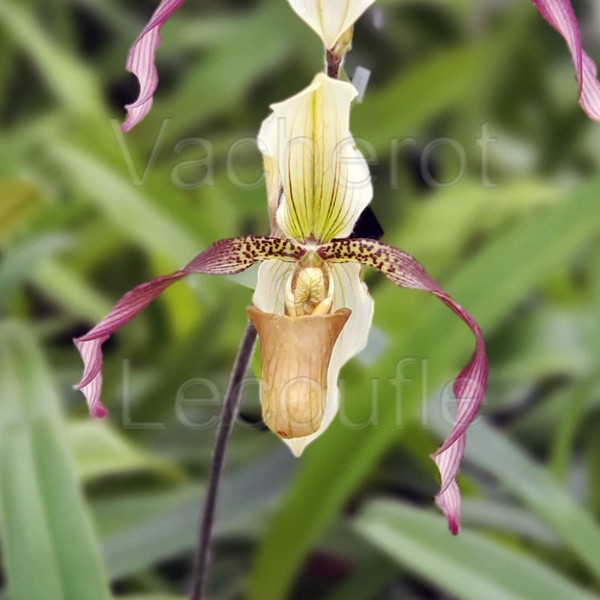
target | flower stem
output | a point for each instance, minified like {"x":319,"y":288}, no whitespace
{"x":333,"y":63}
{"x":228,"y":414}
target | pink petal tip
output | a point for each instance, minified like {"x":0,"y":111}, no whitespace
{"x":140,"y":62}
{"x":90,"y":345}
{"x":560,"y":14}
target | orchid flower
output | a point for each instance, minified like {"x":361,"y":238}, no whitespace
{"x":333,"y":21}
{"x":311,"y":308}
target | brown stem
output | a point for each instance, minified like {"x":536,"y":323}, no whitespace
{"x":228,"y":414}
{"x":333,"y":64}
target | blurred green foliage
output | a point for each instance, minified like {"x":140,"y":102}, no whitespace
{"x":485,"y":170}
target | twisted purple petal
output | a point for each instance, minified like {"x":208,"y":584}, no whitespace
{"x":560,"y":14}
{"x":224,"y":257}
{"x":90,"y":345}
{"x":471,"y":383}
{"x":140,"y":62}
{"x":233,"y":255}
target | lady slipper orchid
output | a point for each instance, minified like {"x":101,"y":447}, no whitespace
{"x":311,"y":309}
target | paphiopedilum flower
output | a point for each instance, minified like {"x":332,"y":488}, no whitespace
{"x":333,"y":20}
{"x":311,"y":308}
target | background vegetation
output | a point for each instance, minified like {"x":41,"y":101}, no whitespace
{"x":94,"y":510}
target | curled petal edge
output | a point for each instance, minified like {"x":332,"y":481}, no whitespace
{"x":471,"y":383}
{"x":140,"y":62}
{"x":226,"y":257}
{"x":560,"y":15}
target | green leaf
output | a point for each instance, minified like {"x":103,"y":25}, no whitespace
{"x":70,"y":290}
{"x":459,"y":213}
{"x":135,"y":213}
{"x":166,"y":524}
{"x":490,"y":285}
{"x":100,"y":451}
{"x":49,"y":545}
{"x":469,"y":565}
{"x":68,"y":79}
{"x":439,"y":82}
{"x":20,"y":259}
{"x":505,"y":517}
{"x":20,"y":200}
{"x":367,"y":581}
